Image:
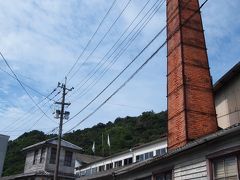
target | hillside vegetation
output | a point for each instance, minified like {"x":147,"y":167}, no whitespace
{"x":124,"y":133}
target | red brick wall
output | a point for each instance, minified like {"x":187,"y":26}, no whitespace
{"x":191,"y":110}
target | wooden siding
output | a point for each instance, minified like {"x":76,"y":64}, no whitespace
{"x":196,"y":171}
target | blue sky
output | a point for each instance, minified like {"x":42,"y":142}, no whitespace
{"x":42,"y":39}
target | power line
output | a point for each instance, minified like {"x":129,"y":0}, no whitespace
{"x":97,"y":67}
{"x":27,"y":115}
{"x":90,"y":40}
{"x":29,"y":87}
{"x":105,"y":35}
{"x":23,"y":86}
{"x":115,"y":92}
{"x":43,"y":114}
{"x":145,"y":63}
{"x":123,"y":49}
{"x":117,"y":76}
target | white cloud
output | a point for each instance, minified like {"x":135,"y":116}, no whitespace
{"x":42,"y":39}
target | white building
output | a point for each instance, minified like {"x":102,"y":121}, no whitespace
{"x":125,"y":158}
{"x":3,"y":149}
{"x":227,"y":98}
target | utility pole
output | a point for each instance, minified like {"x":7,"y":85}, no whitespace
{"x":63,"y":115}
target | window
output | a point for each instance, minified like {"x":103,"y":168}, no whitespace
{"x":148,"y":155}
{"x":53,"y":156}
{"x":118,"y":164}
{"x":143,"y":157}
{"x":226,"y":168}
{"x":161,"y":152}
{"x":101,"y":168}
{"x":164,"y":176}
{"x":88,"y":172}
{"x":109,"y":166}
{"x":127,"y":161}
{"x":68,"y":158}
{"x":151,"y":154}
{"x":83,"y":173}
{"x":43,"y":150}
{"x":140,"y":157}
{"x":35,"y":156}
{"x":94,"y":170}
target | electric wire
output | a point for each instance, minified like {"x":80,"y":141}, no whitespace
{"x":90,"y":40}
{"x":118,"y":55}
{"x":100,"y":64}
{"x":155,"y":37}
{"x":26,"y":85}
{"x":104,"y":36}
{"x":27,"y":114}
{"x":25,"y":90}
{"x":145,"y":63}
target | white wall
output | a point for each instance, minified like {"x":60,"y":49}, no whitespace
{"x":3,"y":149}
{"x":131,"y":153}
{"x":227,"y":101}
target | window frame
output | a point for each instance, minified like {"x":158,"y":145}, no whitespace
{"x":67,"y":160}
{"x":101,"y":168}
{"x":163,"y":172}
{"x":35,"y":156}
{"x":109,"y":166}
{"x":233,"y":151}
{"x":128,"y":161}
{"x":118,"y":164}
{"x":42,"y":155}
{"x":223,"y":159}
{"x":51,"y":159}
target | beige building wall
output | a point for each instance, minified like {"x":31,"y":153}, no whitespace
{"x":227,"y":101}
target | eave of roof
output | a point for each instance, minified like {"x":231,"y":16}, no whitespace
{"x":227,"y":77}
{"x":46,"y":142}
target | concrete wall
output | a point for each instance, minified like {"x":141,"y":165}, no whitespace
{"x":227,"y":101}
{"x":3,"y":149}
{"x":30,"y":167}
{"x":62,"y":169}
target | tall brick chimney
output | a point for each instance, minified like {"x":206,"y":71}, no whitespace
{"x":191,"y":109}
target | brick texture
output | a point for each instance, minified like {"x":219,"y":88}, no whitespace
{"x":191,"y":109}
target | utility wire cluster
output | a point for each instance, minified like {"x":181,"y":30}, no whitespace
{"x":122,"y":44}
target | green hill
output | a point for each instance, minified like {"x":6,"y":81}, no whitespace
{"x":124,"y":134}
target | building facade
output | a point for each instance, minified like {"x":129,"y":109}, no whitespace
{"x":3,"y":148}
{"x":212,"y":157}
{"x":40,"y":161}
{"x":134,"y":155}
{"x":227,"y":98}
